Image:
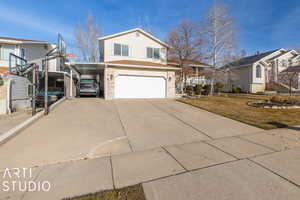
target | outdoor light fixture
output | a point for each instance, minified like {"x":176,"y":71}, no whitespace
{"x":170,"y":78}
{"x":111,"y":77}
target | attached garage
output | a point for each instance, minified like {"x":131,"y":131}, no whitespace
{"x":129,"y":86}
{"x":130,"y":80}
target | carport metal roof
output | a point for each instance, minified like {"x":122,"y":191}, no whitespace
{"x":96,"y":68}
{"x":87,"y":68}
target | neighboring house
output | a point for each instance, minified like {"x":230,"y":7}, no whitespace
{"x":31,"y":50}
{"x":133,"y":64}
{"x":16,"y":91}
{"x":252,"y":73}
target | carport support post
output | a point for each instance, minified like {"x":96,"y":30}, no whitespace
{"x":34,"y":89}
{"x":105,"y":81}
{"x":71,"y":83}
{"x":46,"y":87}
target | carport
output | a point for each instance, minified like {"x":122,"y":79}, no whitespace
{"x":88,"y":71}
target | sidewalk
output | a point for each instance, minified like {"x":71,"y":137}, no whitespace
{"x":258,"y":166}
{"x":8,"y":122}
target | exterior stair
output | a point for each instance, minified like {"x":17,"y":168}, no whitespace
{"x":280,"y":87}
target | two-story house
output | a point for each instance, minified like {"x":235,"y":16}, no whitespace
{"x":19,"y":87}
{"x":133,"y":64}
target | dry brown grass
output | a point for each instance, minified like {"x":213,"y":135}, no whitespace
{"x":235,"y":107}
{"x":129,"y":193}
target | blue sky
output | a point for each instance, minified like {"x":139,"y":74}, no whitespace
{"x":262,"y":24}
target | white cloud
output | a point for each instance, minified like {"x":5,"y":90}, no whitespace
{"x":38,"y":23}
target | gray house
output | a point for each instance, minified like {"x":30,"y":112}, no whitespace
{"x":252,"y":73}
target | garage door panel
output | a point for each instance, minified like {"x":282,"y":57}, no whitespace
{"x":127,"y":86}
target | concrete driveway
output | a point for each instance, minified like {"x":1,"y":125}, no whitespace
{"x":83,"y":128}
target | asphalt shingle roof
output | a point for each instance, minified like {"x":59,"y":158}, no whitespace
{"x":249,"y":59}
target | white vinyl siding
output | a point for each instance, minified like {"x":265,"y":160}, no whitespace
{"x":137,"y":48}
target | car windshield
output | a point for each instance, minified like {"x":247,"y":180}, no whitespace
{"x":87,"y":85}
{"x":88,"y":81}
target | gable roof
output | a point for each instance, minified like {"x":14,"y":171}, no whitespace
{"x":134,"y":30}
{"x":289,"y":51}
{"x":20,"y":40}
{"x":249,"y":59}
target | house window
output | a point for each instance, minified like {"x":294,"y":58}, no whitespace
{"x":149,"y":52}
{"x":153,"y":53}
{"x":125,"y":50}
{"x":284,"y":63}
{"x":121,"y":50}
{"x":156,"y":53}
{"x":258,"y":71}
{"x":23,"y":54}
{"x":5,"y":50}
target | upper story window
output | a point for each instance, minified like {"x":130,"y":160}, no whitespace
{"x":153,"y":53}
{"x":121,"y":50}
{"x":258,"y":71}
{"x":23,"y":53}
{"x":5,"y":50}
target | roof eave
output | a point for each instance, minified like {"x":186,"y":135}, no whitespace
{"x":123,"y":65}
{"x":143,"y":66}
{"x":21,"y":42}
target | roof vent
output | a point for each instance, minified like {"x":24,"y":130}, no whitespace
{"x":137,"y":34}
{"x":257,"y":53}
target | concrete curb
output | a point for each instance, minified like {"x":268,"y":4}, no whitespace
{"x":17,"y":129}
{"x":56,"y":103}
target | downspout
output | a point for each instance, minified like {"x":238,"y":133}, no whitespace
{"x":105,"y":81}
{"x":8,"y":97}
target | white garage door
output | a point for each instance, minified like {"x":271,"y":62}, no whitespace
{"x":140,"y":87}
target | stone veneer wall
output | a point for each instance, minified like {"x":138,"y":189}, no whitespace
{"x":171,"y":92}
{"x":109,"y":84}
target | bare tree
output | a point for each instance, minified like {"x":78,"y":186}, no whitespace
{"x":219,"y":35}
{"x":144,"y":23}
{"x":231,"y":57}
{"x":85,"y":40}
{"x":184,"y":45}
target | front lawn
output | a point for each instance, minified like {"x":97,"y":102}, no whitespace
{"x":235,"y":107}
{"x":129,"y":193}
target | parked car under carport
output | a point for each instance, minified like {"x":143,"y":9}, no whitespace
{"x":54,"y":94}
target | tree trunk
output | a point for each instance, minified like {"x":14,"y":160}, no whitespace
{"x":290,"y":87}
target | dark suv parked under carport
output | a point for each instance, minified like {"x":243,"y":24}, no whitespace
{"x":89,"y":87}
